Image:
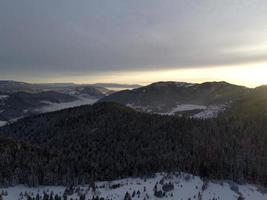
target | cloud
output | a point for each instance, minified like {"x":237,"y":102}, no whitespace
{"x":75,"y":37}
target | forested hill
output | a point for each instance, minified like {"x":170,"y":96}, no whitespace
{"x":203,"y":100}
{"x":253,"y":105}
{"x":108,"y":140}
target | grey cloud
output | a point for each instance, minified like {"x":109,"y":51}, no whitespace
{"x":76,"y":37}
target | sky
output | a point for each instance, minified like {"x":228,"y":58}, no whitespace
{"x":134,"y":41}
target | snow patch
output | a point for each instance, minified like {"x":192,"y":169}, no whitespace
{"x":219,"y":191}
{"x":184,"y":107}
{"x":205,"y":111}
{"x":184,"y":84}
{"x":187,"y":107}
{"x":3,"y":123}
{"x":202,"y":111}
{"x":139,"y":108}
{"x":210,"y":112}
{"x":3,"y":97}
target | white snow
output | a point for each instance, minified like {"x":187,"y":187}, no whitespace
{"x":187,"y":107}
{"x":119,"y":88}
{"x":252,"y":192}
{"x":206,"y":111}
{"x":210,"y":112}
{"x":186,"y":187}
{"x":2,"y":123}
{"x":219,"y":191}
{"x":184,"y":84}
{"x":184,"y":107}
{"x":59,"y":106}
{"x":139,"y":108}
{"x":3,"y":97}
{"x":14,"y":192}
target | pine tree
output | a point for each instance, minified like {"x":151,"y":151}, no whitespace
{"x":127,"y":196}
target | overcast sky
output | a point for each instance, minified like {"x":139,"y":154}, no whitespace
{"x":63,"y":39}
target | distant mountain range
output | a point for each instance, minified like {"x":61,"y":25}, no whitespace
{"x":109,"y":140}
{"x":19,"y":99}
{"x":198,"y":100}
{"x":205,"y":100}
{"x":7,"y":86}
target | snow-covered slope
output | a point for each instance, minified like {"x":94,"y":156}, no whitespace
{"x":176,"y":186}
{"x":196,"y":111}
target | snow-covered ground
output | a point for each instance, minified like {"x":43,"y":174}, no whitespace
{"x":139,"y":108}
{"x":205,"y":111}
{"x":186,"y":107}
{"x":2,"y":123}
{"x":178,"y":186}
{"x":210,"y":112}
{"x":3,"y":97}
{"x":202,"y":111}
{"x":59,"y":106}
{"x":119,"y":88}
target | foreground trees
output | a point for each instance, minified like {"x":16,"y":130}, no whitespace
{"x":108,"y":141}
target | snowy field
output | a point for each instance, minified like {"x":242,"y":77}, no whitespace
{"x":3,"y":97}
{"x":2,"y":123}
{"x":139,"y":108}
{"x":185,"y":107}
{"x":163,"y":186}
{"x":210,"y":112}
{"x":205,"y":111}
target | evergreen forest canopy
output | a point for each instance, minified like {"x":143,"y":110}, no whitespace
{"x":108,"y":140}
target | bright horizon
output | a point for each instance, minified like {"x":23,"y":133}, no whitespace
{"x":250,"y":75}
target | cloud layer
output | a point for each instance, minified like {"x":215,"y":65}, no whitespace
{"x":67,"y":37}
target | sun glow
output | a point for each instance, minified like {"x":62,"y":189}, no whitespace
{"x":250,"y":75}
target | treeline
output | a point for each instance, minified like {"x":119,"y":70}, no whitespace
{"x":107,"y":141}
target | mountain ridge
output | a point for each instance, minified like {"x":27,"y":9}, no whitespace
{"x":166,"y":97}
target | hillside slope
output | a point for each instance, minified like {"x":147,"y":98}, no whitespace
{"x":180,"y":98}
{"x":108,"y":140}
{"x":251,"y":105}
